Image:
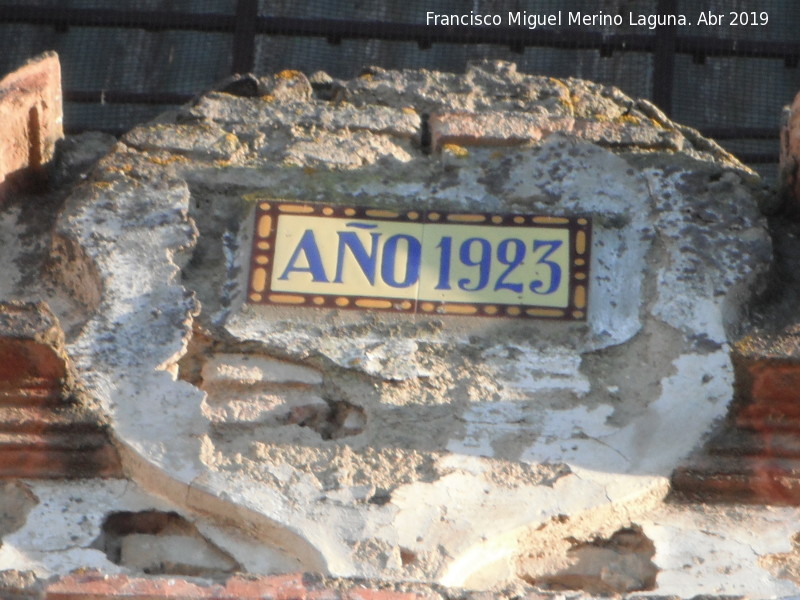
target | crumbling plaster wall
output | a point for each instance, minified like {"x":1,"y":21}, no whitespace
{"x":449,"y":443}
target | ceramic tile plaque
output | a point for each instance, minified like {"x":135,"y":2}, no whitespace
{"x":428,"y":262}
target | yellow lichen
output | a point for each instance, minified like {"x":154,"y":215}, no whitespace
{"x":267,"y":97}
{"x":408,"y":110}
{"x":630,"y":119}
{"x":366,"y":76}
{"x":455,"y":150}
{"x":289,"y":74}
{"x":257,"y":196}
{"x":167,"y":160}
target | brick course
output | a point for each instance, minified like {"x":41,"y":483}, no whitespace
{"x":95,"y":586}
{"x":755,"y":455}
{"x":44,"y":432}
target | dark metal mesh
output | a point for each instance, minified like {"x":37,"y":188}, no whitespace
{"x":117,"y":73}
{"x":110,"y":117}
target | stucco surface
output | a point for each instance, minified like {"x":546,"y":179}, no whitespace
{"x":421,"y":447}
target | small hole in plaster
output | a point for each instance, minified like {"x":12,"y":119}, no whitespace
{"x":407,"y":557}
{"x":381,"y":497}
{"x":161,"y":543}
{"x":616,"y":565}
{"x":337,"y":420}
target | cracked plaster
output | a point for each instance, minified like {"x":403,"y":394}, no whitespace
{"x":477,"y":432}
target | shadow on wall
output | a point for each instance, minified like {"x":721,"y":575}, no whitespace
{"x":31,"y":114}
{"x":32,"y":177}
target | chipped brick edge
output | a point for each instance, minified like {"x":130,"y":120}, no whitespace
{"x":31,"y":112}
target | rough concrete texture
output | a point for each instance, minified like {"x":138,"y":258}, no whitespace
{"x":438,"y":449}
{"x":31,"y":114}
{"x":77,"y":154}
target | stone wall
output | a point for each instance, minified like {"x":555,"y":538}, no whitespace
{"x":455,"y":450}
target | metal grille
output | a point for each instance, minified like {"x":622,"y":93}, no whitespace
{"x":125,"y":61}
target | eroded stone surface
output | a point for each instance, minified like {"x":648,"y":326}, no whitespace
{"x":432,"y":448}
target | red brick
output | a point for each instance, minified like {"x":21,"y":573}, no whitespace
{"x":95,"y":586}
{"x":45,"y":442}
{"x":493,"y":129}
{"x":60,"y":464}
{"x":765,"y":443}
{"x":31,"y":114}
{"x":754,"y":456}
{"x":39,"y":442}
{"x":749,"y":480}
{"x":368,"y":594}
{"x":31,"y":345}
{"x":790,"y":157}
{"x":776,"y":384}
{"x":27,"y":358}
{"x":36,"y":391}
{"x":107,"y":587}
{"x":323,"y":594}
{"x":44,"y":433}
{"x":767,"y":389}
{"x":277,"y":587}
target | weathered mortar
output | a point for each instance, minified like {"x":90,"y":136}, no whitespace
{"x":434,"y":448}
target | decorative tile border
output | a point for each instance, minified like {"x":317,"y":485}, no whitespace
{"x":430,"y":262}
